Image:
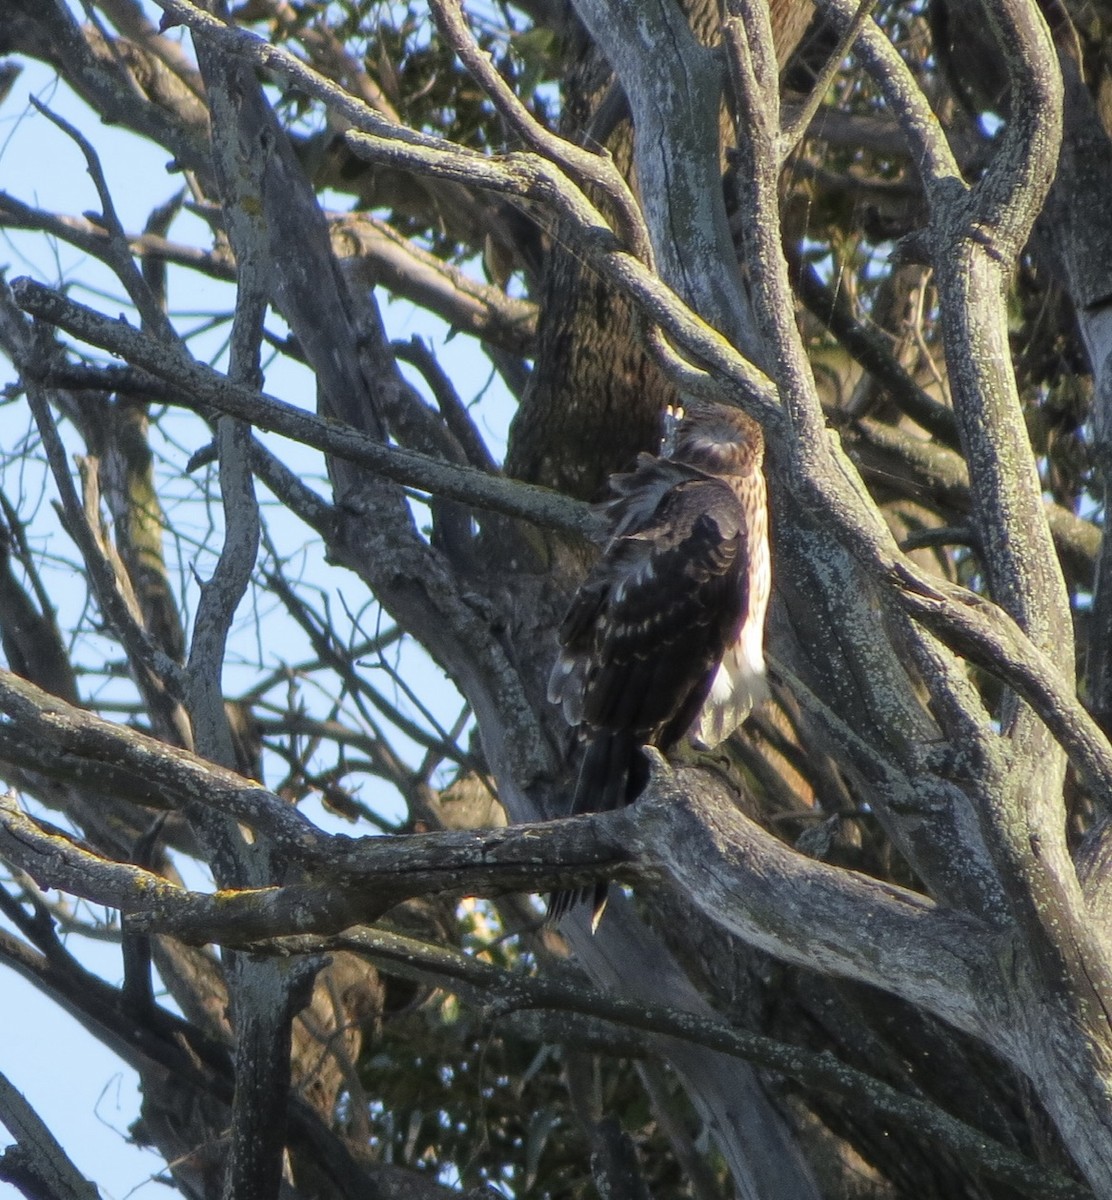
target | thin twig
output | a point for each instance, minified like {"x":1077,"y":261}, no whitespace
{"x":37,"y":1166}
{"x":199,"y":387}
{"x":141,"y":649}
{"x":583,"y":166}
{"x":119,"y":253}
{"x":793,"y":133}
{"x":452,"y":409}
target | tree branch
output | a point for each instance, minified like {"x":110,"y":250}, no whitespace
{"x":793,"y":907}
{"x":506,"y":992}
{"x":372,"y":247}
{"x":584,"y":167}
{"x":198,"y":387}
{"x":44,"y":734}
{"x":37,"y":1165}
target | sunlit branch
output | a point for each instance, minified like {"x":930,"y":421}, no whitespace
{"x":583,"y":166}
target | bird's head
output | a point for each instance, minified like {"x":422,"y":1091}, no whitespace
{"x":718,"y":440}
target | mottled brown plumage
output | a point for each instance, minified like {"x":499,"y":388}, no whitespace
{"x":664,"y":637}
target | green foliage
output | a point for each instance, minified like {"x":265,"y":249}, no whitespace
{"x":475,"y":1098}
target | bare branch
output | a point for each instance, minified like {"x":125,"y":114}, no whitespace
{"x":584,"y":167}
{"x":37,"y":1165}
{"x":144,"y":653}
{"x":93,"y":239}
{"x":374,"y":249}
{"x":802,"y":118}
{"x":452,"y":408}
{"x":197,"y":386}
{"x":522,"y":175}
{"x":118,"y":254}
{"x":43,"y":733}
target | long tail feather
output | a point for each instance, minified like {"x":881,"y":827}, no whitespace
{"x":611,"y":775}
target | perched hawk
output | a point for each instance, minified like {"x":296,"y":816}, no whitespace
{"x":664,"y":637}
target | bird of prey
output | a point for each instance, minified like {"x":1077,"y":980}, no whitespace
{"x":665,"y":636}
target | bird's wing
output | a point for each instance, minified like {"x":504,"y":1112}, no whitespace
{"x":634,"y":506}
{"x":636,"y":496}
{"x":645,"y":634}
{"x":567,"y":682}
